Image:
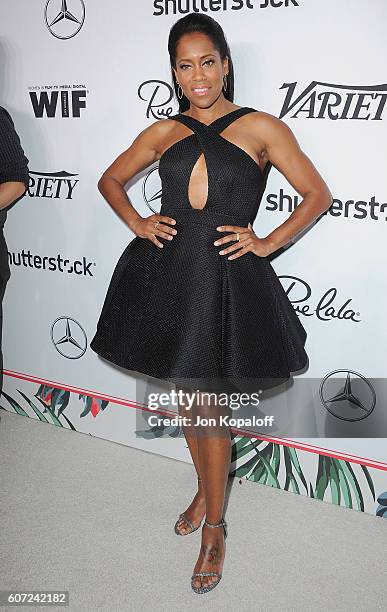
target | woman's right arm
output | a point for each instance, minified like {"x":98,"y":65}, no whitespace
{"x":144,"y":151}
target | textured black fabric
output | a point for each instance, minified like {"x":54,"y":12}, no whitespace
{"x":13,"y":167}
{"x":13,"y":162}
{"x":186,"y":314}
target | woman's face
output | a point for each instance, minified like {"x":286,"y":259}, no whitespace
{"x":199,"y":69}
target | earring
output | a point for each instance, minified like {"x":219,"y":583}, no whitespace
{"x":180,"y":97}
{"x":225,"y":82}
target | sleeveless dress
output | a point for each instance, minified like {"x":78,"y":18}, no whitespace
{"x":185,"y":314}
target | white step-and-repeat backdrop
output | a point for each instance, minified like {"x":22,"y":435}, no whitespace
{"x":81,"y":79}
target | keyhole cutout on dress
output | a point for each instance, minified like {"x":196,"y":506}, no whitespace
{"x":198,"y":184}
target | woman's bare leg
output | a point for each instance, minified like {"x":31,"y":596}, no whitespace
{"x":197,"y":509}
{"x":214,"y":452}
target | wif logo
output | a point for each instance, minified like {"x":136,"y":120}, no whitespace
{"x":53,"y":100}
{"x":331,"y":101}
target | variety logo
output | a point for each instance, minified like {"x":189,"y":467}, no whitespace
{"x":56,"y":263}
{"x":332,"y":101}
{"x":351,"y":400}
{"x":52,"y":185}
{"x":64,"y":18}
{"x":69,"y":337}
{"x":326,"y":308}
{"x":162,"y":7}
{"x":58,"y":100}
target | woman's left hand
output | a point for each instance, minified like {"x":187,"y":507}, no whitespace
{"x":248,"y":242}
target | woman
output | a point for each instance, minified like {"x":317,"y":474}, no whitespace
{"x":178,"y":307}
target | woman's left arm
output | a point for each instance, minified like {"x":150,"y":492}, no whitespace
{"x":284,"y":152}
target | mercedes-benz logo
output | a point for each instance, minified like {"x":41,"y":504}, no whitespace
{"x":351,"y":400}
{"x":151,"y":189}
{"x":64,"y":18}
{"x":68,"y":338}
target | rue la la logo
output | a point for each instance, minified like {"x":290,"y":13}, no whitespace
{"x":332,"y":101}
{"x":325,"y":307}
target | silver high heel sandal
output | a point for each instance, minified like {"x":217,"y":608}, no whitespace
{"x":205,"y":589}
{"x":187,"y":521}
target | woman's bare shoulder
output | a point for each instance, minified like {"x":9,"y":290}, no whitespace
{"x":264,"y":118}
{"x":268,"y":126}
{"x":156,"y":134}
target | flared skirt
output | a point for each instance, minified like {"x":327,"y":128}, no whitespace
{"x":185,"y":314}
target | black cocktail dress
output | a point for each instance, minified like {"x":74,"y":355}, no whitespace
{"x":186,"y":314}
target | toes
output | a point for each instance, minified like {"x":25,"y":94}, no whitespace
{"x":197,"y":582}
{"x":203,"y":581}
{"x":181,"y":527}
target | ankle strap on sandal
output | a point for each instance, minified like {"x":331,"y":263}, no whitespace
{"x":221,"y":524}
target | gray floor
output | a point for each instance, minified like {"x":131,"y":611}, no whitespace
{"x":95,"y":518}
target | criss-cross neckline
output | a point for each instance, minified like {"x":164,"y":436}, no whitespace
{"x":242,"y":152}
{"x":234,"y":110}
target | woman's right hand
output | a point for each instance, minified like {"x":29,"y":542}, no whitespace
{"x":145,"y":228}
